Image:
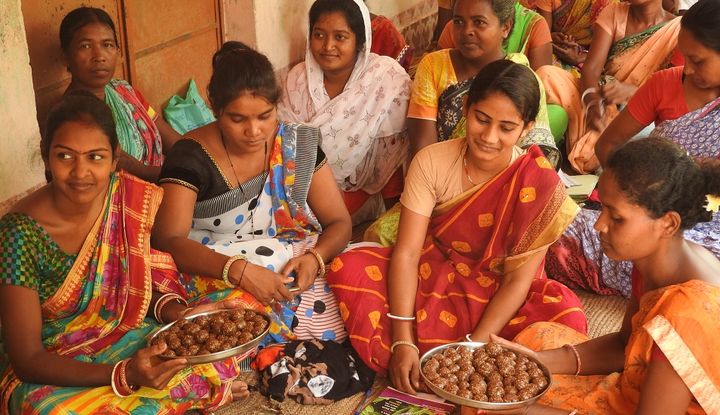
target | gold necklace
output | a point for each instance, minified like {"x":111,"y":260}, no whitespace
{"x":467,"y":172}
{"x":257,"y":197}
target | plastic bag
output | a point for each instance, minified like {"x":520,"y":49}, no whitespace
{"x":189,"y":113}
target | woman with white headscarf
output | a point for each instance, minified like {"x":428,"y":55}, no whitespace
{"x":356,"y":98}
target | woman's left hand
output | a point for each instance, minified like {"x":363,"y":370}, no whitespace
{"x":306,"y":269}
{"x":229,"y":304}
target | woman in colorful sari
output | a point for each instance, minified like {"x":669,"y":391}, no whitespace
{"x":478,"y":214}
{"x":79,"y":283}
{"x":664,"y":358}
{"x":684,"y":104}
{"x":443,"y":77}
{"x":251,"y":204}
{"x":530,"y":35}
{"x":356,"y":98}
{"x":90,"y":48}
{"x":631,"y":41}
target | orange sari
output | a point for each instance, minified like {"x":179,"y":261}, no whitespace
{"x":472,"y":242}
{"x":682,"y":320}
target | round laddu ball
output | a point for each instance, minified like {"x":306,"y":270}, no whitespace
{"x":201,"y":321}
{"x":191,"y":328}
{"x":229,"y":328}
{"x":201,"y":336}
{"x":493,"y":349}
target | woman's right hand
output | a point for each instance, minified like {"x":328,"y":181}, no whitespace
{"x":516,"y":347}
{"x":404,"y":369}
{"x":265,"y":285}
{"x":147,"y":369}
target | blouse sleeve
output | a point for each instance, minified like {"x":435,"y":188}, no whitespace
{"x":184,"y":165}
{"x":606,"y":19}
{"x":424,"y":96}
{"x":539,"y":34}
{"x":642,"y":106}
{"x":18,"y":253}
{"x":419,"y":194}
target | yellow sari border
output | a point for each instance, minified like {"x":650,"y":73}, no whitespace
{"x":684,"y":362}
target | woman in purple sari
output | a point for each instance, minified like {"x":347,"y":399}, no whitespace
{"x":684,"y":104}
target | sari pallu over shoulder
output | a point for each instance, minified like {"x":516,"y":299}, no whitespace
{"x":136,"y":129}
{"x":472,"y":242}
{"x":112,"y":275}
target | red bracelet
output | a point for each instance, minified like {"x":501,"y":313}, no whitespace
{"x":116,"y":382}
{"x":123,"y":378}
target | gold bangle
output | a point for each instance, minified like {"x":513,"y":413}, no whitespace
{"x":226,"y":269}
{"x":404,"y":343}
{"x":320,"y":260}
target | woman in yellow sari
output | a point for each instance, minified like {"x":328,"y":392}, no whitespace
{"x":630,"y":42}
{"x":80,"y":287}
{"x":664,"y":359}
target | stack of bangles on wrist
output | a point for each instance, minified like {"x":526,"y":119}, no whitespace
{"x":118,"y":380}
{"x":226,"y":270}
{"x":163,"y":301}
{"x":320,"y":261}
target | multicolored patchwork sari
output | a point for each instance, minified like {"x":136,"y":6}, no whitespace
{"x":680,"y":319}
{"x":136,"y":130}
{"x":268,"y":220}
{"x":472,"y":242}
{"x":99,"y":313}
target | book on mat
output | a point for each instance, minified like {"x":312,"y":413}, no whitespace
{"x":394,"y":402}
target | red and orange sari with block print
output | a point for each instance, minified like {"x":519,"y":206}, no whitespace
{"x":472,"y":242}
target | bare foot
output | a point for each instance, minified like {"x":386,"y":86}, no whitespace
{"x":239,"y":390}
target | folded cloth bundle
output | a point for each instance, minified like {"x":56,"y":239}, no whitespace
{"x":312,"y":372}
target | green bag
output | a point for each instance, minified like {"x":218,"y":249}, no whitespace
{"x":189,"y":113}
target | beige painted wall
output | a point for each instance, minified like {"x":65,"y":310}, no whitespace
{"x":277,"y":28}
{"x":20,"y":163}
{"x":282,"y":30}
{"x":390,"y":8}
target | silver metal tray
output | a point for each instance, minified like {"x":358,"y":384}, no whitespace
{"x":217,"y":356}
{"x":494,"y":407}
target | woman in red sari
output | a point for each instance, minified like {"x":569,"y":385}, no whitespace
{"x":477,"y":217}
